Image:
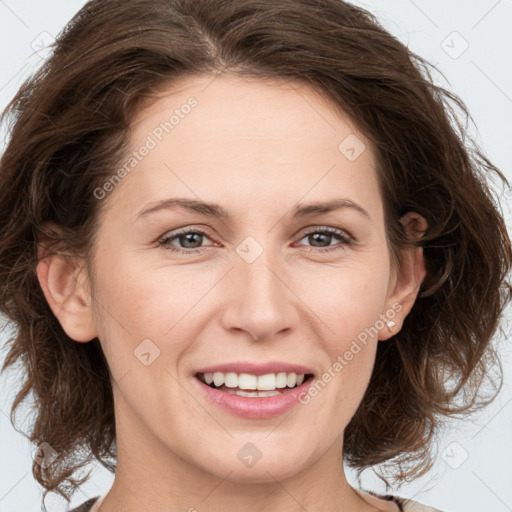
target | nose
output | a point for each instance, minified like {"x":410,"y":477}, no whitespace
{"x":260,"y":300}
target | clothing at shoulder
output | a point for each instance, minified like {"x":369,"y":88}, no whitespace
{"x":413,"y":506}
{"x":406,"y":504}
{"x":86,"y":506}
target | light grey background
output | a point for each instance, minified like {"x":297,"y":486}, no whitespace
{"x":471,"y":44}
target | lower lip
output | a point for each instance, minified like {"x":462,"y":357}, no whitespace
{"x":258,"y":407}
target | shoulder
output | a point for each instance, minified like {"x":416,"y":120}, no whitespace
{"x":86,"y":505}
{"x":406,"y":504}
{"x":409,"y":505}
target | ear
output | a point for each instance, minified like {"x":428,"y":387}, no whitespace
{"x":66,"y":287}
{"x":405,"y":281}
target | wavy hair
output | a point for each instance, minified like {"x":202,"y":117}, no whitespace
{"x":69,"y":126}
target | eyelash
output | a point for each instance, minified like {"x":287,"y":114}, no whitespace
{"x":341,"y":235}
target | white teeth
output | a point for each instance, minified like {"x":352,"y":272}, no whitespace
{"x":244,"y":381}
{"x":218,"y":379}
{"x":281,"y":380}
{"x":267,"y":382}
{"x":231,"y":380}
{"x":267,"y":393}
{"x":252,"y":393}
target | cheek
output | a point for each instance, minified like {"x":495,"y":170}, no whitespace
{"x":350,"y":304}
{"x":133,"y":305}
{"x":141,"y":297}
{"x":347,"y":299}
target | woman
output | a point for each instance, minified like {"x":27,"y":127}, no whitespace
{"x":349,"y":255}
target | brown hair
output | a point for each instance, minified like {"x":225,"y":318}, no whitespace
{"x":69,"y":128}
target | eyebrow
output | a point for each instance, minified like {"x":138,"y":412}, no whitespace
{"x":216,"y":211}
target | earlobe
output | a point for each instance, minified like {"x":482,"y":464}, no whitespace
{"x":407,"y":278}
{"x":67,"y":296}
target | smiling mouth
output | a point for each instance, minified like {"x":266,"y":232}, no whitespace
{"x":254,"y":392}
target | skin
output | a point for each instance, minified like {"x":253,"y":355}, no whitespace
{"x":257,"y":148}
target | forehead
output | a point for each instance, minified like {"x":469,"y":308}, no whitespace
{"x":225,"y":137}
{"x":243,"y":107}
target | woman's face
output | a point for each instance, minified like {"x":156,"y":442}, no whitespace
{"x":262,"y":283}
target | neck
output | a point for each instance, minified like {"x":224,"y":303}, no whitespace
{"x":152,"y":475}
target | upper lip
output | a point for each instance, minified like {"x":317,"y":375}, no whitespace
{"x":257,"y":368}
